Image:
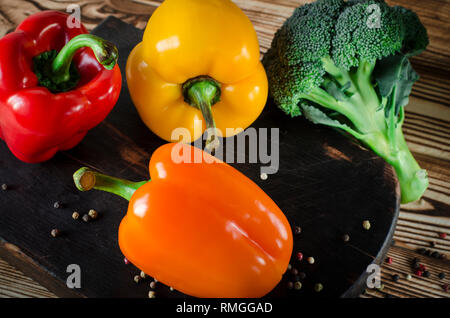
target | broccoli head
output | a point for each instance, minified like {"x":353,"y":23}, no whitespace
{"x":345,"y":64}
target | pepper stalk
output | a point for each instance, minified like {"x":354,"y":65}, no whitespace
{"x":85,"y":179}
{"x":57,"y":72}
{"x":202,"y":93}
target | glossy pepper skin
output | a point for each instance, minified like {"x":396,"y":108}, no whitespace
{"x":37,"y":121}
{"x":184,"y":41}
{"x":203,"y":228}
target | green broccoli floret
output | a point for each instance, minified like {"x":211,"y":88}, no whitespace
{"x":345,"y":64}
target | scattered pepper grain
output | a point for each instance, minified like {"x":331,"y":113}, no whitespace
{"x":290,"y":285}
{"x":151,"y":294}
{"x":93,"y":214}
{"x":395,"y":278}
{"x":143,"y":275}
{"x":421,"y":251}
{"x":298,"y":285}
{"x":408,"y":277}
{"x":4,"y":187}
{"x":298,"y":230}
{"x":435,"y":254}
{"x":442,"y":235}
{"x":389,"y":260}
{"x":346,"y":238}
{"x":299,"y":256}
{"x":137,"y":279}
{"x":152,"y":284}
{"x":311,"y":260}
{"x":366,"y":225}
{"x":86,"y":218}
{"x":75,"y":215}
{"x":55,"y":232}
{"x":426,"y":274}
{"x":57,"y":205}
{"x":294,"y":271}
{"x":302,"y":275}
{"x":318,"y":287}
{"x":126,"y":261}
{"x":441,"y":275}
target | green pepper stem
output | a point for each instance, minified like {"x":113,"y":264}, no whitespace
{"x":105,"y":52}
{"x":86,"y":179}
{"x":203,"y":93}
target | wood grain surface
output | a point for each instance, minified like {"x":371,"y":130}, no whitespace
{"x":427,"y":124}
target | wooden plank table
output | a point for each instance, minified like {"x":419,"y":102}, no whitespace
{"x":427,"y":130}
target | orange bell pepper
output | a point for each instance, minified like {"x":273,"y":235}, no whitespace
{"x":203,"y":228}
{"x":198,"y":66}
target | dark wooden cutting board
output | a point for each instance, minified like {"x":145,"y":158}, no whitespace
{"x":326,"y":184}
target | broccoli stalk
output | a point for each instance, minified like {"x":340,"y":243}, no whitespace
{"x":327,"y":64}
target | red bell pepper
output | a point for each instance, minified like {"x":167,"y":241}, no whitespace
{"x":56,"y":83}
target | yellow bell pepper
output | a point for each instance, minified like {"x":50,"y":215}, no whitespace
{"x":199,"y":59}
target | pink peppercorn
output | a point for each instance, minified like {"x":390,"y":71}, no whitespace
{"x":389,"y":260}
{"x":442,"y":235}
{"x":418,"y":272}
{"x":126,"y":261}
{"x":445,"y":287}
{"x":422,"y":268}
{"x":299,"y":256}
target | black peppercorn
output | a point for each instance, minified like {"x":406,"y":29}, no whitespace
{"x":441,"y":275}
{"x":426,"y":274}
{"x":435,"y":254}
{"x":86,"y":218}
{"x":290,"y":285}
{"x":302,"y":275}
{"x":421,"y":251}
{"x":395,"y":278}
